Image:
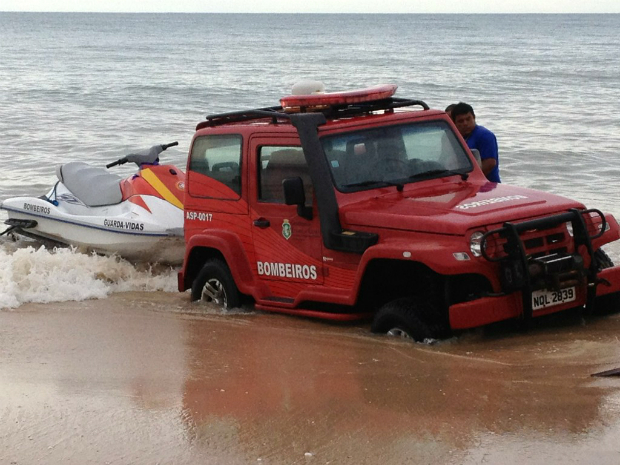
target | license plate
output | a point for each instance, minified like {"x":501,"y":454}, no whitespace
{"x":544,"y":298}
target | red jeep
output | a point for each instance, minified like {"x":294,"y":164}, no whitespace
{"x":359,"y":204}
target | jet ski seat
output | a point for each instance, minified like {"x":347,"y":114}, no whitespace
{"x":95,"y":187}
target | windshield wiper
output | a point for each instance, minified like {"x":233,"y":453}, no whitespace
{"x":445,"y":172}
{"x":368,"y":183}
{"x":399,"y":185}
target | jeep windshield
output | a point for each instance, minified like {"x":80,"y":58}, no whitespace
{"x":394,"y":155}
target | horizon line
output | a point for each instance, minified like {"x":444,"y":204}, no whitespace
{"x":320,"y":13}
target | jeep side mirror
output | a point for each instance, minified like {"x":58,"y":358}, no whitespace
{"x":294,"y":194}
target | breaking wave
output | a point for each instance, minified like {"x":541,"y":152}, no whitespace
{"x":39,"y":274}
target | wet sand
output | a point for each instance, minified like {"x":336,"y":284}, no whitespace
{"x":147,"y":378}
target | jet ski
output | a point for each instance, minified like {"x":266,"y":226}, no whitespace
{"x":139,"y":218}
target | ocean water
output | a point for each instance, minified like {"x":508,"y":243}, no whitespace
{"x":94,"y":87}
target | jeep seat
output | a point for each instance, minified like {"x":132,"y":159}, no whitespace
{"x":283,"y":164}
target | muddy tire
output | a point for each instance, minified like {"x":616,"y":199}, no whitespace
{"x":603,"y":259}
{"x":609,"y":303}
{"x":215,"y":284}
{"x":409,"y":319}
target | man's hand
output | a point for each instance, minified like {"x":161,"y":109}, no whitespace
{"x":487,"y":165}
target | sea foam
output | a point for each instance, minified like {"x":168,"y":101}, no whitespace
{"x":30,"y":274}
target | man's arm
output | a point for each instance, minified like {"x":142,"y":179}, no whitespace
{"x":487,"y":146}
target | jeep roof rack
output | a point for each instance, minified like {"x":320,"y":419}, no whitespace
{"x":331,"y":112}
{"x":218,"y":119}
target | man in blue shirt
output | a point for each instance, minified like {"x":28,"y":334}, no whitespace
{"x":477,"y":137}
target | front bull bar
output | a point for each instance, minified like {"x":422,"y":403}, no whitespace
{"x":514,"y":249}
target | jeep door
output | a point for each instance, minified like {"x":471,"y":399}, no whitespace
{"x":288,"y":247}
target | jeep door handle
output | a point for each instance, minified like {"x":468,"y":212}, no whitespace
{"x":262,"y":223}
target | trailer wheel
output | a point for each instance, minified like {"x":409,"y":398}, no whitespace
{"x":610,"y":303}
{"x":215,"y":284}
{"x":408,"y":318}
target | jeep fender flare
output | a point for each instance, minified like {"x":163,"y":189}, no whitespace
{"x":231,"y":249}
{"x":436,"y":256}
{"x":611,"y":234}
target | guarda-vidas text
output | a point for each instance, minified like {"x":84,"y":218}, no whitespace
{"x":128,"y":225}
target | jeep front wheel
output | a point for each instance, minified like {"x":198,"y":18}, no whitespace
{"x":409,"y":319}
{"x":609,"y":303}
{"x":215,"y":284}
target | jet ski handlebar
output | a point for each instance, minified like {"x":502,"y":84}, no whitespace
{"x":150,"y":156}
{"x":171,"y":144}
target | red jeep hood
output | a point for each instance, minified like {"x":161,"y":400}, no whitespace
{"x":452,"y":208}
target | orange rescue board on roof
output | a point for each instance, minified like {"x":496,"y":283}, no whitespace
{"x":368,"y":94}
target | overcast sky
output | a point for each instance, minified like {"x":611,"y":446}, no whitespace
{"x":318,"y":6}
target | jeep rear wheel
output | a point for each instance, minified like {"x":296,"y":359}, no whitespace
{"x":408,"y":318}
{"x":215,"y":284}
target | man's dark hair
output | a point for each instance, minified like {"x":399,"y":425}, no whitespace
{"x":449,"y":108}
{"x":462,"y":108}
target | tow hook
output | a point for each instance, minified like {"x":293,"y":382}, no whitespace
{"x":600,"y":281}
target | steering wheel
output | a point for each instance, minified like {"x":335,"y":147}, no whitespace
{"x":390,"y":165}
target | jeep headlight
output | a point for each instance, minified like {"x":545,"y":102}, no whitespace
{"x":475,"y":243}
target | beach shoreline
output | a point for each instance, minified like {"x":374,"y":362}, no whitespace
{"x":150,"y":377}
